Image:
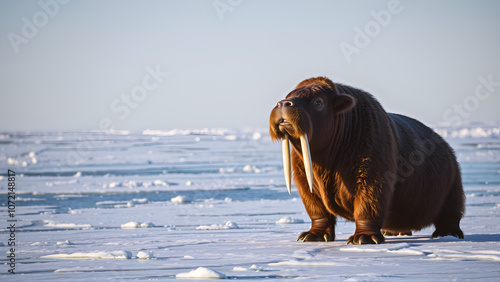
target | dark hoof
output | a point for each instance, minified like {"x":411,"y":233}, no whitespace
{"x":396,"y":233}
{"x":362,"y":239}
{"x":310,"y":237}
{"x":456,"y":233}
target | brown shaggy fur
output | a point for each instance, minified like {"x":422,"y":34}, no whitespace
{"x":380,"y":170}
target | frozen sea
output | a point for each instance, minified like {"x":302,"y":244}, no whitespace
{"x":212,"y":203}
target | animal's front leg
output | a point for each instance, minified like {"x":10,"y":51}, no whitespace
{"x":322,"y":222}
{"x":369,"y":210}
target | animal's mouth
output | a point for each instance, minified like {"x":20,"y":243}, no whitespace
{"x":284,"y":126}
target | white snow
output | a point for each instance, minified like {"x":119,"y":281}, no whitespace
{"x":157,"y":204}
{"x":93,"y":255}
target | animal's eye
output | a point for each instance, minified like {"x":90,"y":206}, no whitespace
{"x":318,"y":104}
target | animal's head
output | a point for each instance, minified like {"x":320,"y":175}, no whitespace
{"x":308,"y":114}
{"x":311,"y":108}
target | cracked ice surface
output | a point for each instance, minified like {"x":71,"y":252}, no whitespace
{"x":78,"y":191}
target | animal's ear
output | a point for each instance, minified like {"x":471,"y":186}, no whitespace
{"x":343,"y":103}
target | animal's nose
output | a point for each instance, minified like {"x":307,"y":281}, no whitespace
{"x":285,"y":104}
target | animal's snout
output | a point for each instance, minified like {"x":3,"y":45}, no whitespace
{"x":284,"y":104}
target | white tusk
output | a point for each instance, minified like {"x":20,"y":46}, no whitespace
{"x":286,"y":163}
{"x":306,"y":154}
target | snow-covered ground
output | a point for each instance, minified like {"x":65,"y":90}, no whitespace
{"x":176,"y":204}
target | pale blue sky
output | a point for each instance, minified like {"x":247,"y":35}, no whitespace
{"x":75,"y":65}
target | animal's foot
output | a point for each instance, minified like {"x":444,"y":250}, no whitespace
{"x":396,"y":233}
{"x":363,"y":239}
{"x":367,"y":232}
{"x":321,"y":230}
{"x":456,"y":232}
{"x":311,"y":237}
{"x":448,"y":228}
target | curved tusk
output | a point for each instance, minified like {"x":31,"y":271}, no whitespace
{"x":306,"y":154}
{"x":287,"y":163}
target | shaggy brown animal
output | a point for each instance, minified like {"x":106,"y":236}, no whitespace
{"x":381,"y":170}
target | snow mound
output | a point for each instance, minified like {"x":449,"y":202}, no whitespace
{"x":64,"y":243}
{"x":135,"y":224}
{"x":147,"y":225}
{"x":179,"y":199}
{"x":289,"y":220}
{"x":145,"y":255}
{"x":201,"y":273}
{"x":251,"y":168}
{"x":256,"y":268}
{"x":227,"y":225}
{"x":256,"y":136}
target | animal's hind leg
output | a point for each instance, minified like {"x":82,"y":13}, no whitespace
{"x":448,"y":220}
